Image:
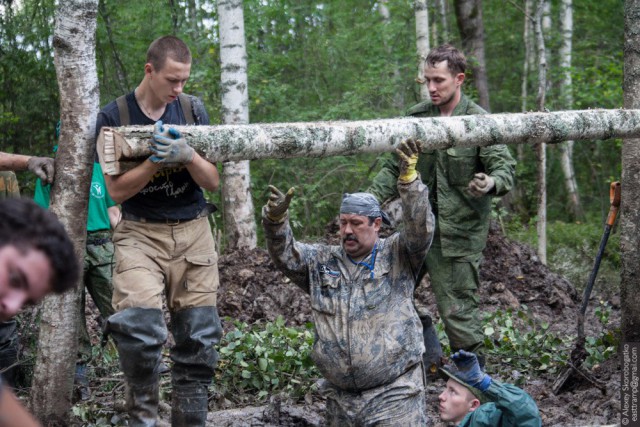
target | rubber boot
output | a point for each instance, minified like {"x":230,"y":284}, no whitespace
{"x":8,"y":351}
{"x":139,"y":334}
{"x":189,"y":405}
{"x":432,"y":357}
{"x":196,"y":331}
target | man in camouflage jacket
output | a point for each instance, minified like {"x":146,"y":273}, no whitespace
{"x":462,"y":182}
{"x":368,"y":342}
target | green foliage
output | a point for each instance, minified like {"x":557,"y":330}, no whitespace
{"x":572,"y":248}
{"x":605,"y":345}
{"x":265,"y":360}
{"x":515,"y":339}
{"x":528,"y":348}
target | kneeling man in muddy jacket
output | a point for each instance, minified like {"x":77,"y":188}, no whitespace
{"x":368,"y":343}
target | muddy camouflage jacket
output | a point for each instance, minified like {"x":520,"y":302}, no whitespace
{"x":367,"y":331}
{"x":510,"y":406}
{"x":462,"y":220}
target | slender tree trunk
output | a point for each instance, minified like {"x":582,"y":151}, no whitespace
{"x":528,"y":54}
{"x":469,"y":16}
{"x":398,"y":97}
{"x":436,"y":35}
{"x":239,"y":220}
{"x":422,"y":42}
{"x":566,"y":148}
{"x":74,"y":58}
{"x":130,"y":145}
{"x":630,"y":207}
{"x":541,"y":149}
{"x":441,"y":7}
{"x":121,"y":72}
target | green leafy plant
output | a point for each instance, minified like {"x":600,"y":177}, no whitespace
{"x":514,"y":338}
{"x":605,"y":345}
{"x":266,"y":359}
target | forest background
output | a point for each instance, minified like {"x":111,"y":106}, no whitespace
{"x":312,"y":61}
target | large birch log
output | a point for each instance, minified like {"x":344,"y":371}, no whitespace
{"x":120,"y":149}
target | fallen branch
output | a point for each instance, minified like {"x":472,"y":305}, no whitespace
{"x":120,"y":149}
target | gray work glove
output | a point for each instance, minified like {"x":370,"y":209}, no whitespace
{"x":169,"y":146}
{"x":469,"y":370}
{"x":481,"y":184}
{"x":42,"y":167}
{"x":278,"y":204}
{"x":408,"y":151}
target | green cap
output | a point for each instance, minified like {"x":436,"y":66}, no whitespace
{"x":449,"y":372}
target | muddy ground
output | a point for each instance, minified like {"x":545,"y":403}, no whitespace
{"x":512,"y":277}
{"x":251,"y":289}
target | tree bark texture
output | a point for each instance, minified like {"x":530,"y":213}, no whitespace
{"x":541,"y":148}
{"x":422,"y":42}
{"x":239,"y":220}
{"x":566,"y":148}
{"x":130,"y":145}
{"x":74,"y":44}
{"x":630,"y":200}
{"x":469,"y":17}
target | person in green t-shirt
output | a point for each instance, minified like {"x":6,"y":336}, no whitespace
{"x":103,"y":215}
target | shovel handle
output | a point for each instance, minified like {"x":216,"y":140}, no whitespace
{"x":614,"y":197}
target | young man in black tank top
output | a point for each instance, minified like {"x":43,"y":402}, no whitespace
{"x":164,"y":244}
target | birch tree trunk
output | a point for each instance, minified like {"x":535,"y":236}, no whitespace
{"x":239,"y":220}
{"x":566,"y":148}
{"x":469,"y":16}
{"x":422,"y":42}
{"x":130,"y":145}
{"x":74,"y":57}
{"x":541,"y":149}
{"x":630,"y":206}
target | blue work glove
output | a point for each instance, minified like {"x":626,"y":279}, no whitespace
{"x":469,"y":370}
{"x":169,"y":146}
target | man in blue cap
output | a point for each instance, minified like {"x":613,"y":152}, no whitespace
{"x":368,"y":341}
{"x":473,"y":398}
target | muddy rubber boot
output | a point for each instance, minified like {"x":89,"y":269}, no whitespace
{"x":196,"y":331}
{"x":139,"y":334}
{"x":8,"y":351}
{"x":142,"y":404}
{"x":432,"y":357}
{"x":189,"y":406}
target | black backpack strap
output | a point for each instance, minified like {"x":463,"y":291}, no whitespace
{"x":187,"y":109}
{"x":123,"y":109}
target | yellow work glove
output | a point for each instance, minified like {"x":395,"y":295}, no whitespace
{"x":408,"y":151}
{"x":278,"y":204}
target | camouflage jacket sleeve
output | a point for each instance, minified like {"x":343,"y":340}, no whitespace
{"x":287,"y":254}
{"x":419,"y":221}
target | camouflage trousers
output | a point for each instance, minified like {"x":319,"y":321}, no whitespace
{"x":98,"y":266}
{"x":455,"y":281}
{"x":400,"y":403}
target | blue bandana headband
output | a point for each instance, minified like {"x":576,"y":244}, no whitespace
{"x":364,"y":204}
